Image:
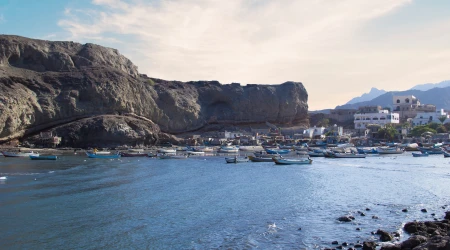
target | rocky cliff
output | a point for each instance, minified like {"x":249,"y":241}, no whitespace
{"x":45,"y":85}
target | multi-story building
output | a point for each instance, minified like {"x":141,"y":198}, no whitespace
{"x":342,"y":115}
{"x":423,"y":118}
{"x":408,"y":106}
{"x":382,"y":117}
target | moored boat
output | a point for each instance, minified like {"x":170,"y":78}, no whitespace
{"x":228,"y":149}
{"x":389,"y":150}
{"x":19,"y":154}
{"x":367,"y":150}
{"x":260,"y":158}
{"x":274,"y":151}
{"x":97,"y":156}
{"x":236,"y":160}
{"x":420,"y":154}
{"x":446,"y":154}
{"x":431,"y":151}
{"x":43,"y":157}
{"x":133,"y":154}
{"x":349,"y":155}
{"x":286,"y":161}
{"x":195,"y":153}
{"x":167,"y":151}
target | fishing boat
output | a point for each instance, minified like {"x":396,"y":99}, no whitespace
{"x":349,"y":155}
{"x":167,"y":151}
{"x":133,"y":154}
{"x":420,"y":154}
{"x":367,"y":150}
{"x":389,"y":150}
{"x":274,"y":151}
{"x":172,"y":156}
{"x":43,"y":157}
{"x":101,"y":152}
{"x":228,"y":149}
{"x":260,"y":158}
{"x":431,"y":151}
{"x":251,"y":148}
{"x":446,"y":154}
{"x":19,"y":154}
{"x":195,"y":153}
{"x":236,"y":160}
{"x":285,"y":161}
{"x":100,"y":156}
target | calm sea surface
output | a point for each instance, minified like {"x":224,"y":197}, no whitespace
{"x":204,"y":203}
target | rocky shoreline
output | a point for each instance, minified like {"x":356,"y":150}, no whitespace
{"x":423,"y":235}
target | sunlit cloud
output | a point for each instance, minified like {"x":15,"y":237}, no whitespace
{"x":320,"y":43}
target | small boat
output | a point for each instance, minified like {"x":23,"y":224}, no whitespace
{"x":19,"y":154}
{"x":229,"y":149}
{"x":349,"y":155}
{"x":367,"y":151}
{"x":316,"y":154}
{"x":172,"y":156}
{"x":446,"y":154}
{"x":420,"y":154}
{"x":236,"y":160}
{"x":285,"y":161}
{"x":96,"y":156}
{"x":260,"y":158}
{"x":431,"y":151}
{"x":43,"y":157}
{"x":167,"y":150}
{"x":274,"y":151}
{"x":133,"y":154}
{"x":389,"y":150}
{"x":251,"y":148}
{"x":195,"y":153}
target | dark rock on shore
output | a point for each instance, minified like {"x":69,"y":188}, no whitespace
{"x":384,"y":236}
{"x":369,"y":245}
{"x":107,"y":131}
{"x":346,"y":218}
{"x":48,"y":84}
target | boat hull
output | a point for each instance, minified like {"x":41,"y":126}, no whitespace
{"x":44,"y":157}
{"x":420,"y":154}
{"x":236,"y":160}
{"x":279,"y":161}
{"x":260,"y":159}
{"x":13,"y":154}
{"x":133,"y":155}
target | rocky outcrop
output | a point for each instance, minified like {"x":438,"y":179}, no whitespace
{"x":48,"y":84}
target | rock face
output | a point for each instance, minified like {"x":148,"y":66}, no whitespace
{"x":48,"y":84}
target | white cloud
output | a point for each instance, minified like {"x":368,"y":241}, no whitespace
{"x":317,"y":42}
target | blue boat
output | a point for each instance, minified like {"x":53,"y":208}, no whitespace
{"x":43,"y":157}
{"x":91,"y":155}
{"x":367,"y":151}
{"x":278,"y":151}
{"x":420,"y":154}
{"x":431,"y":151}
{"x":446,"y":154}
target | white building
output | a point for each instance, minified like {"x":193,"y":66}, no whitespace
{"x":382,"y":118}
{"x":423,"y":118}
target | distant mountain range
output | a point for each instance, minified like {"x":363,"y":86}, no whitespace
{"x":439,"y":96}
{"x":373,"y":93}
{"x":428,"y":86}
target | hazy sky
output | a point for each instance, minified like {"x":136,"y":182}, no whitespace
{"x":339,"y":49}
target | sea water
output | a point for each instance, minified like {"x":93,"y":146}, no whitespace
{"x":204,"y":203}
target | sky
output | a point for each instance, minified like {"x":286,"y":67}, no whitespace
{"x":338,"y":49}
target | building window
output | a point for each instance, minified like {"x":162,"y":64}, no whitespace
{"x":407,"y":100}
{"x":398,"y":100}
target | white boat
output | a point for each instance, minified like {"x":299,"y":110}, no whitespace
{"x":389,"y":150}
{"x":229,"y":149}
{"x":195,"y":153}
{"x":167,"y":151}
{"x":260,"y":158}
{"x":100,"y":152}
{"x":286,"y":161}
{"x":203,"y":149}
{"x":236,"y":160}
{"x":251,"y":148}
{"x":19,"y":154}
